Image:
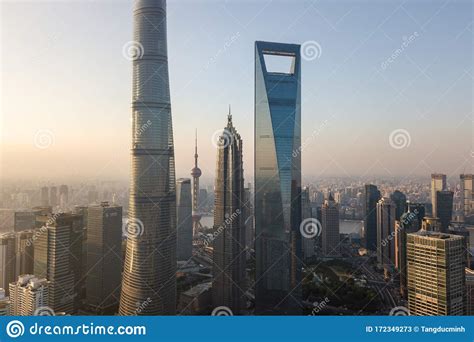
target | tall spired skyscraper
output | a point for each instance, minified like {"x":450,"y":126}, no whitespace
{"x":196,"y":173}
{"x":149,"y":284}
{"x":229,"y":245}
{"x":277,"y":180}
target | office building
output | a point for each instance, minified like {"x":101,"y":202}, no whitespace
{"x":330,"y":225}
{"x":386,"y":212}
{"x":436,"y":274}
{"x":58,"y":258}
{"x":150,"y":258}
{"x":371,"y":197}
{"x":184,"y":230}
{"x":28,"y":294}
{"x":229,"y":244}
{"x":25,"y":249}
{"x":470,"y":292}
{"x":7,"y":259}
{"x":104,"y":258}
{"x":400,"y":201}
{"x":438,"y":183}
{"x":444,"y":208}
{"x":45,"y":196}
{"x":277,"y":180}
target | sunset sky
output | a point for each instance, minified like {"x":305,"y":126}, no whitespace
{"x":66,"y":85}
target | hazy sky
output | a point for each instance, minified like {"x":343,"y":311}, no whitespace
{"x":382,"y":66}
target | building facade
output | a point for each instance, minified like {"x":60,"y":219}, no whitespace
{"x":371,"y":197}
{"x":28,"y":294}
{"x":58,"y":258}
{"x":184,"y":229}
{"x":7,"y":259}
{"x":386,"y":212}
{"x":277,"y":181}
{"x":150,"y":258}
{"x":435,"y":274}
{"x":228,"y":288}
{"x":438,"y":183}
{"x":330,"y":227}
{"x":104,"y":258}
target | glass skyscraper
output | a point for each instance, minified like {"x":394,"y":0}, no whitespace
{"x":149,"y":281}
{"x":277,"y":180}
{"x":228,"y":287}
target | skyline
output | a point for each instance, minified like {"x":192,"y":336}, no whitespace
{"x":339,"y":132}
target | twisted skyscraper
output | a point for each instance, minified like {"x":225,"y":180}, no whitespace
{"x":149,"y":285}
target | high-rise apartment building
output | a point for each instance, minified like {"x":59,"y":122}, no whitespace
{"x":371,"y":197}
{"x":330,"y":227}
{"x":104,"y":258}
{"x":184,"y":229}
{"x":150,"y":260}
{"x":228,"y":287}
{"x":277,"y":180}
{"x":28,"y":294}
{"x":436,"y":275}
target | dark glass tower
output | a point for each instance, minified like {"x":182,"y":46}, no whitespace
{"x":150,"y":259}
{"x":444,"y":208}
{"x":400,"y":201}
{"x":277,"y":181}
{"x":372,"y":196}
{"x":229,"y":223}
